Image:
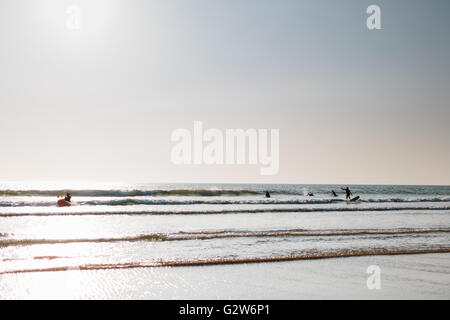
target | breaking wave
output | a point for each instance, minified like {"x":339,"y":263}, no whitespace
{"x":132,"y":193}
{"x":222,"y":234}
{"x":274,"y":210}
{"x":126,"y":201}
{"x":226,"y":260}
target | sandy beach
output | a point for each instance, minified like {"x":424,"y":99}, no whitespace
{"x":424,"y":276}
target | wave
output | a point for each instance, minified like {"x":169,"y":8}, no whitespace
{"x":133,"y":193}
{"x":224,"y":261}
{"x":223,"y":234}
{"x":131,"y":201}
{"x":37,"y":258}
{"x":405,"y":200}
{"x":134,"y":201}
{"x":220,"y":211}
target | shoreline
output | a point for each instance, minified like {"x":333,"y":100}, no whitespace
{"x":235,"y":261}
{"x":415,"y":276}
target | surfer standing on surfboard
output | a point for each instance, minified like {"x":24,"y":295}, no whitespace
{"x":348,"y":193}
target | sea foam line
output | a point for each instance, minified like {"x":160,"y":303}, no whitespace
{"x":223,"y":234}
{"x":159,"y":201}
{"x":224,"y":261}
{"x":349,"y":208}
{"x":135,"y":192}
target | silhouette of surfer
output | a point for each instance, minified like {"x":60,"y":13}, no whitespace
{"x":333,"y":193}
{"x":267,"y":194}
{"x":348,"y":193}
{"x":68,"y":197}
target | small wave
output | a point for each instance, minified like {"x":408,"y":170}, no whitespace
{"x":406,"y":200}
{"x":48,"y":257}
{"x":222,"y":234}
{"x":28,"y":242}
{"x":233,"y":260}
{"x":130,"y":201}
{"x":131,"y":193}
{"x":37,"y":258}
{"x":221,"y":211}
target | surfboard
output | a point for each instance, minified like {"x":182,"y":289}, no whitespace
{"x":63,"y":203}
{"x":354,"y":199}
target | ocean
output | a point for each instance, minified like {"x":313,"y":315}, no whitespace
{"x":118,"y":226}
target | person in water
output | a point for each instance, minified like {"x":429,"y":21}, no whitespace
{"x":267,"y":194}
{"x":68,"y":197}
{"x":310,"y":194}
{"x":333,"y":193}
{"x":348,"y":193}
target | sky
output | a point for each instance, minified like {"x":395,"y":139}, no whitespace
{"x":100,"y":102}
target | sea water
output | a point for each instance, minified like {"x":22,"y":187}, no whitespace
{"x":115,"y":226}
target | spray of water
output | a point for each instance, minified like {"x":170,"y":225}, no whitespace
{"x":305,"y":191}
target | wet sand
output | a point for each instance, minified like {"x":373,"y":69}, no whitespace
{"x":422,"y":276}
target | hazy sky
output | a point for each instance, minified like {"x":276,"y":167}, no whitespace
{"x":100,"y":102}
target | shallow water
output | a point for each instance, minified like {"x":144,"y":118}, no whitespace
{"x":117,"y":226}
{"x":425,"y":276}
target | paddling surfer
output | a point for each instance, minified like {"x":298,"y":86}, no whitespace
{"x":68,"y":197}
